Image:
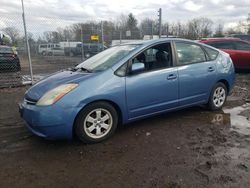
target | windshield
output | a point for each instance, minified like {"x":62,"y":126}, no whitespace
{"x":107,"y":58}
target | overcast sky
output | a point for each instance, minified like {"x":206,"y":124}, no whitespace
{"x":49,"y":14}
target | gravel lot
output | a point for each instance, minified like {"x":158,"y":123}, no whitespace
{"x":188,"y":148}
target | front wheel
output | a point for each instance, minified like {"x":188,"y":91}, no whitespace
{"x":217,"y":97}
{"x":96,"y":122}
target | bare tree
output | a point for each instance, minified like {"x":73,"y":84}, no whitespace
{"x":199,"y":28}
{"x":13,"y":33}
{"x":219,"y":30}
{"x":148,"y":27}
{"x":248,"y":24}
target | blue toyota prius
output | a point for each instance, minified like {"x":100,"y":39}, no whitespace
{"x":126,"y":83}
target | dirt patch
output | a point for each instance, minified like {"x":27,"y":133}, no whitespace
{"x":188,"y":148}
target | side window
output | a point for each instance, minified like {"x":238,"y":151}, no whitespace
{"x":242,"y":46}
{"x":222,"y":45}
{"x":211,"y":53}
{"x":189,"y":53}
{"x":122,"y":70}
{"x":154,"y":58}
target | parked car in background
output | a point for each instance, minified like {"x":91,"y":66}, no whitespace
{"x":238,"y":50}
{"x":44,"y":49}
{"x":87,"y":49}
{"x":9,"y":61}
{"x":125,"y":83}
{"x":241,"y":36}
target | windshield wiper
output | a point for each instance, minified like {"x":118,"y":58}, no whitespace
{"x":82,"y":69}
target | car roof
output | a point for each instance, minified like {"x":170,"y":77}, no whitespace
{"x":153,"y":41}
{"x":221,"y":39}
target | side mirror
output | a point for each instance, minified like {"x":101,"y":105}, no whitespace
{"x":137,"y":67}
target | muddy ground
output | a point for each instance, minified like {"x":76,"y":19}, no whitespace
{"x":188,"y":148}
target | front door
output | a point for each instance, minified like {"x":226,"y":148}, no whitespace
{"x":155,"y":89}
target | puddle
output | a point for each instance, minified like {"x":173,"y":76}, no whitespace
{"x":221,"y":119}
{"x":239,"y":118}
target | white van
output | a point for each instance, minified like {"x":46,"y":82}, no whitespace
{"x":46,"y":49}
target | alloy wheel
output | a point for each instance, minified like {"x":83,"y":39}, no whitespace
{"x":219,"y":96}
{"x":98,"y":123}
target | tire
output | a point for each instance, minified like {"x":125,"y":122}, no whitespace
{"x":217,"y":97}
{"x":96,"y":122}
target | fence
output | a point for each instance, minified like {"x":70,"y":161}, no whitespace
{"x":56,"y":43}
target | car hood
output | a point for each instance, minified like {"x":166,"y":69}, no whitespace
{"x":64,"y":77}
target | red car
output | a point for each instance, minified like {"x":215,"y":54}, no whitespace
{"x":239,"y":50}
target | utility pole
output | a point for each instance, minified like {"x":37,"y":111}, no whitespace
{"x":160,"y":20}
{"x":27,"y":44}
{"x":120,"y":36}
{"x":102,"y":36}
{"x":152,"y":30}
{"x":82,"y":44}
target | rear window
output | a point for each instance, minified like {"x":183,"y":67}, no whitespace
{"x":242,"y":46}
{"x":211,"y":53}
{"x":243,"y":37}
{"x":6,"y":50}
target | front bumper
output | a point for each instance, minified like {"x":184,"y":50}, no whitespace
{"x":50,"y":122}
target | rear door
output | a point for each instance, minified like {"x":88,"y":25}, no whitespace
{"x":197,"y":73}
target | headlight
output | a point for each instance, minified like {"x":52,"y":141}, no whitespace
{"x":55,"y":94}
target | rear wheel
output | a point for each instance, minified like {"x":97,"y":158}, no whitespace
{"x":217,"y":97}
{"x":97,"y":122}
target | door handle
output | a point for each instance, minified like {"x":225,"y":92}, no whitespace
{"x":210,"y":69}
{"x":171,"y":77}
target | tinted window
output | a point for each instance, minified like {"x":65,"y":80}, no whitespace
{"x":211,"y":53}
{"x":222,"y":45}
{"x":189,"y":53}
{"x":242,"y":46}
